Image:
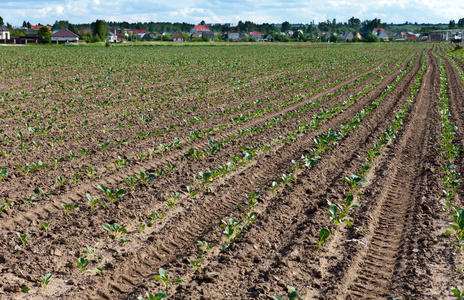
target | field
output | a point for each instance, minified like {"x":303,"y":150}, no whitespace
{"x":333,"y":169}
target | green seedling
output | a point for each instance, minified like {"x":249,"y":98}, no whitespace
{"x":172,"y":200}
{"x":294,"y":294}
{"x":204,"y":178}
{"x":131,"y":181}
{"x":3,"y":173}
{"x":230,"y":229}
{"x":84,"y":152}
{"x":150,"y":296}
{"x":458,"y":229}
{"x":94,"y":202}
{"x":56,"y":161}
{"x":457,"y":293}
{"x":141,"y":226}
{"x":323,"y":236}
{"x":29,"y":199}
{"x":103,"y":146}
{"x":250,"y":216}
{"x":45,"y":280}
{"x":45,"y":225}
{"x":336,"y":215}
{"x":41,"y":194}
{"x":347,"y":203}
{"x":72,"y":155}
{"x":272,"y":188}
{"x":61,"y":181}
{"x":23,"y":238}
{"x":191,"y":192}
{"x":207,"y":247}
{"x":68,"y":208}
{"x":91,"y":252}
{"x":4,"y":205}
{"x":155,"y":216}
{"x":91,"y":172}
{"x":25,"y":289}
{"x":83,"y":263}
{"x":75,"y":178}
{"x":170,"y":167}
{"x":112,"y":194}
{"x":140,"y":156}
{"x":115,"y":228}
{"x":37,"y":144}
{"x":195,"y":263}
{"x":355,"y":182}
{"x":166,"y":279}
{"x":123,"y":240}
{"x":144,"y":178}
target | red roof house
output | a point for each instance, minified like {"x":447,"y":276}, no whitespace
{"x":256,"y":34}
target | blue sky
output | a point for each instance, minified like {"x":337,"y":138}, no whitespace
{"x":221,"y":11}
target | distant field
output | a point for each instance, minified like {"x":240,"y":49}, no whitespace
{"x":258,"y":150}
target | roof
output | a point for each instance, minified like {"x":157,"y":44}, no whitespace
{"x":63,"y":32}
{"x":84,"y":31}
{"x":256,"y":33}
{"x":40,"y":26}
{"x":377,"y":30}
{"x":137,"y":31}
{"x":3,"y":28}
{"x":346,"y":35}
{"x":200,"y":28}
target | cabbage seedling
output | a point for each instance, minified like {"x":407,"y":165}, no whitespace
{"x":45,"y":280}
{"x":111,"y":194}
{"x":195,"y":263}
{"x":294,"y":294}
{"x":84,"y":152}
{"x":56,"y":161}
{"x":83,"y":263}
{"x":166,"y":279}
{"x":67,"y":208}
{"x":94,"y":202}
{"x":61,"y":181}
{"x":91,"y":252}
{"x":150,"y":296}
{"x":272,"y":188}
{"x":191,"y":192}
{"x":3,"y":173}
{"x":457,"y":293}
{"x":131,"y":181}
{"x":23,"y":238}
{"x":45,"y":225}
{"x":336,"y":215}
{"x":5,"y":204}
{"x":355,"y":182}
{"x":206,"y":247}
{"x":230,"y":228}
{"x":458,"y":227}
{"x":116,"y":228}
{"x":155,"y":216}
{"x":75,"y":178}
{"x":141,"y":226}
{"x":144,"y":178}
{"x":347,"y":203}
{"x":91,"y":172}
{"x":324,"y":234}
{"x":170,"y":167}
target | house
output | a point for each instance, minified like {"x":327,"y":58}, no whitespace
{"x":150,"y":36}
{"x":194,"y":35}
{"x":267,"y":38}
{"x":4,"y":33}
{"x":112,"y":37}
{"x":411,"y":36}
{"x":256,"y":34}
{"x":347,"y":37}
{"x":178,"y":36}
{"x":233,"y":35}
{"x":208,"y":34}
{"x":384,"y":36}
{"x":64,"y":35}
{"x":200,"y":28}
{"x":445,"y":35}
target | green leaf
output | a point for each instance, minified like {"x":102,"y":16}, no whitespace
{"x":107,"y":227}
{"x":448,"y":232}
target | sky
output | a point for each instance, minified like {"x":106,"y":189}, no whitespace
{"x":221,"y":11}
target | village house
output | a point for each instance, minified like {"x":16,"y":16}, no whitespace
{"x":178,"y":36}
{"x":233,"y":35}
{"x":64,"y":35}
{"x":256,"y":34}
{"x":4,"y":33}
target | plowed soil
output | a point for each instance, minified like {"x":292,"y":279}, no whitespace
{"x":249,"y":98}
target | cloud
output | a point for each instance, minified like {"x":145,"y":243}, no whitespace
{"x":258,"y":11}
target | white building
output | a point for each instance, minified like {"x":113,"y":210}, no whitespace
{"x":64,"y":35}
{"x":4,"y":33}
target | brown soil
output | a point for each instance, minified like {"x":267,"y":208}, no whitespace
{"x":395,"y":248}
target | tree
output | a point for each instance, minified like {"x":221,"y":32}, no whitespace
{"x":202,"y":22}
{"x":1,"y":21}
{"x":45,"y":34}
{"x":461,"y":23}
{"x":452,"y":24}
{"x":24,"y":24}
{"x":99,"y":30}
{"x":371,"y":38}
{"x":286,"y":26}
